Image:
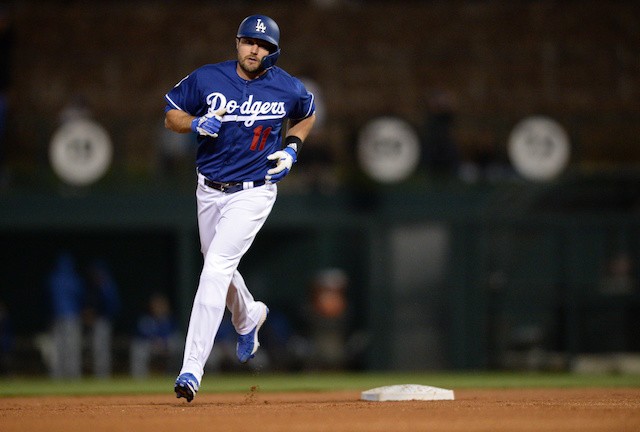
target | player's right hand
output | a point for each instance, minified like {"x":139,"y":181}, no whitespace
{"x":284,"y":161}
{"x":208,"y":124}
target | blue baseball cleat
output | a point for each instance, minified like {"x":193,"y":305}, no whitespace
{"x":186,"y":386}
{"x":248,"y":344}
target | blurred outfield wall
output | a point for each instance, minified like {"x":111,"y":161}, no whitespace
{"x":438,"y":280}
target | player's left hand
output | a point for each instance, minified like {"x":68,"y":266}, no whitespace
{"x":285,"y":159}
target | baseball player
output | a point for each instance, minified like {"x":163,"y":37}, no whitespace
{"x":237,"y":109}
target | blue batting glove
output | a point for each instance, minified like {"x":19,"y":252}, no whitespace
{"x":208,"y":124}
{"x":285,"y":159}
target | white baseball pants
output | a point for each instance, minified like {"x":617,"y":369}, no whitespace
{"x":228,"y":224}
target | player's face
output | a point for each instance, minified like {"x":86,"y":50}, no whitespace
{"x":250,"y":54}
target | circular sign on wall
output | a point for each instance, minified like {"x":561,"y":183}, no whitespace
{"x":539,"y":148}
{"x":388,"y":149}
{"x":80,"y":152}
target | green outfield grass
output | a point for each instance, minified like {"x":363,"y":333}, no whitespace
{"x":269,"y":382}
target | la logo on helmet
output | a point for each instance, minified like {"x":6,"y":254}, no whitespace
{"x":260,"y":26}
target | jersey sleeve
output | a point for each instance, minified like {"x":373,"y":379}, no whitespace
{"x":305,"y":105}
{"x":184,"y":96}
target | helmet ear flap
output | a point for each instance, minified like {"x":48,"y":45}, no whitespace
{"x":270,"y":60}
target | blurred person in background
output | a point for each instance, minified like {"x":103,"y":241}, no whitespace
{"x":6,"y":50}
{"x":66,"y":290}
{"x":619,"y":278}
{"x":101,"y":307}
{"x":156,"y":340}
{"x":331,"y":342}
{"x":327,"y":320}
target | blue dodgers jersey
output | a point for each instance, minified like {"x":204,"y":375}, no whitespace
{"x":251,"y":128}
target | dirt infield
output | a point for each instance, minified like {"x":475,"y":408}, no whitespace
{"x":473,"y":410}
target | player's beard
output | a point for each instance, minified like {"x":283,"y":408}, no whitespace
{"x":251,"y":68}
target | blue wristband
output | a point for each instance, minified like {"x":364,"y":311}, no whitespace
{"x":292,"y":152}
{"x":194,"y":124}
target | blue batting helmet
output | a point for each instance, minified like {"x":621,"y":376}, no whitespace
{"x":264,"y":28}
